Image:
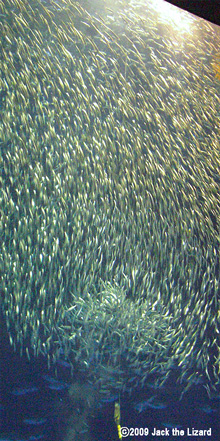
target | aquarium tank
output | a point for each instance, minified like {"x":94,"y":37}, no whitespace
{"x":109,"y":221}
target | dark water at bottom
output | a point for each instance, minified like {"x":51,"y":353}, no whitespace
{"x":35,"y":405}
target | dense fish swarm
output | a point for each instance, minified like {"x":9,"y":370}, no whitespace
{"x":110,"y":170}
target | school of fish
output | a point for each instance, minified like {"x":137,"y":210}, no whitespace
{"x":110,"y":165}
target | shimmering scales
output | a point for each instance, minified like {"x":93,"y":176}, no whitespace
{"x":109,"y":197}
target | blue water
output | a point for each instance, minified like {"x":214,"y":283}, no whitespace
{"x":34,"y":405}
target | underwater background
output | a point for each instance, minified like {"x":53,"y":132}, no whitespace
{"x":109,"y":221}
{"x":35,"y":405}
